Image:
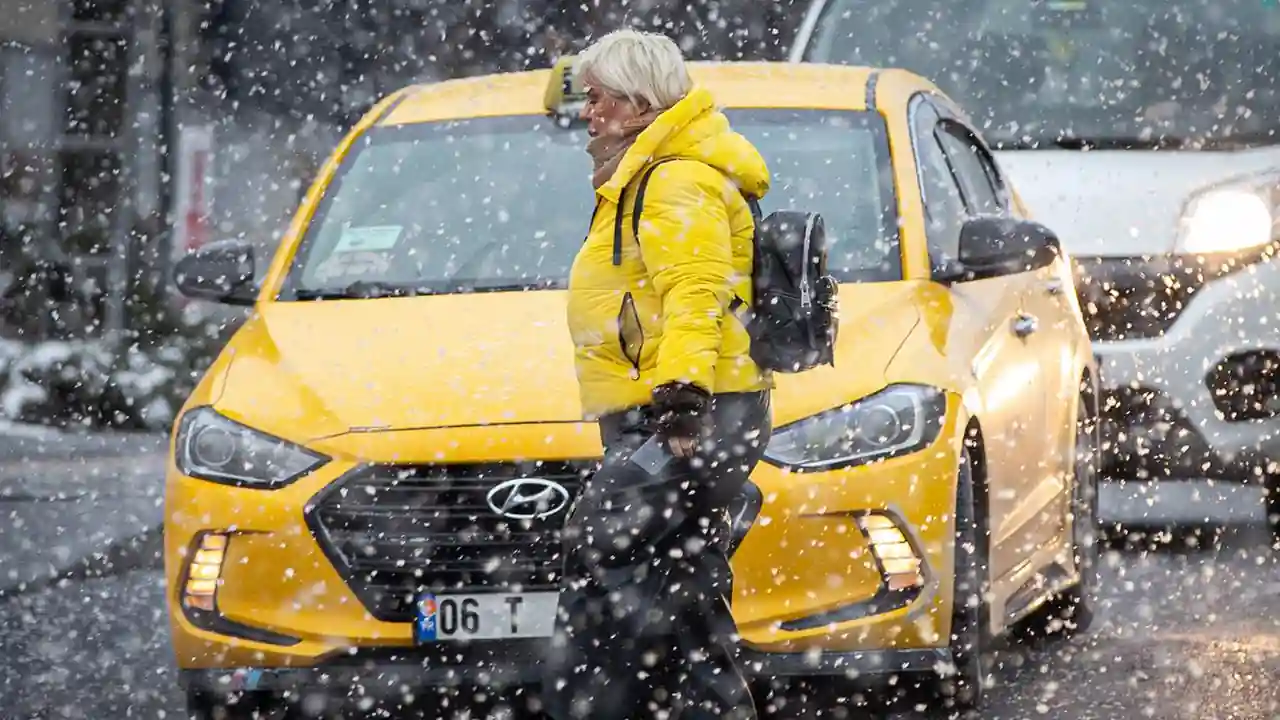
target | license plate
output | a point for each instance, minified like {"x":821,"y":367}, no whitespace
{"x":488,"y":616}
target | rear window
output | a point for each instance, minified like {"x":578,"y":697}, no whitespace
{"x":504,"y":203}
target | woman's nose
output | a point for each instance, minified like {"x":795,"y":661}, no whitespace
{"x":585,"y":112}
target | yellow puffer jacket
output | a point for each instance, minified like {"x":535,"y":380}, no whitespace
{"x":661,"y":314}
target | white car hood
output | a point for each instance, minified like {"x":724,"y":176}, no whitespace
{"x":1121,"y":202}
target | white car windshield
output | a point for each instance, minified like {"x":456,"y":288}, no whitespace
{"x":1101,"y":71}
{"x":503,"y":203}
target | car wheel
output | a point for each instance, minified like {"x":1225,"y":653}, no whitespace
{"x":970,"y":623}
{"x":1077,"y":604}
{"x":205,"y":705}
{"x":1071,"y":612}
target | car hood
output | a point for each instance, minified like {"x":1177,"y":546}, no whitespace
{"x":309,"y":370}
{"x":1121,"y":202}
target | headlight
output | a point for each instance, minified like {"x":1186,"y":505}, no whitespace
{"x":212,"y":447}
{"x":897,"y":420}
{"x":1232,"y":217}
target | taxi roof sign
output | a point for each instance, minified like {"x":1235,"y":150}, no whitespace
{"x":565,"y":94}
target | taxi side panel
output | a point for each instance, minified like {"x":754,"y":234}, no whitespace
{"x":978,"y":317}
{"x":965,"y":344}
{"x":1017,"y":368}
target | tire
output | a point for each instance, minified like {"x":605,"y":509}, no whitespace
{"x":1271,"y":501}
{"x":1076,"y":605}
{"x":1070,"y":613}
{"x":970,"y":621}
{"x":204,"y":705}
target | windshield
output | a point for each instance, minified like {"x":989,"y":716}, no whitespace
{"x":503,"y":203}
{"x":1044,"y":69}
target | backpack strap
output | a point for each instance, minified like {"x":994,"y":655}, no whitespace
{"x":737,"y":303}
{"x":644,"y":183}
{"x":635,"y":212}
{"x":617,"y":229}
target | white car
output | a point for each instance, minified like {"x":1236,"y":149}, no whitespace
{"x":1147,"y":135}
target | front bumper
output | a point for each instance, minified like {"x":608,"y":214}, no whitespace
{"x":806,"y":616}
{"x":391,"y":673}
{"x":1190,"y":388}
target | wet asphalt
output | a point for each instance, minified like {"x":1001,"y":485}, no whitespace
{"x":1188,"y":628}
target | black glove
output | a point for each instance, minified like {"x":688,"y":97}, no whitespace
{"x":680,"y":409}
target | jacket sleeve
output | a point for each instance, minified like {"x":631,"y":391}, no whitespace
{"x":685,"y":243}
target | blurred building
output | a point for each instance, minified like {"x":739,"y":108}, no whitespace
{"x":64,"y":144}
{"x":133,"y":130}
{"x":118,"y":150}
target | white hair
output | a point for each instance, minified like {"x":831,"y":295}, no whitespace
{"x":639,"y":66}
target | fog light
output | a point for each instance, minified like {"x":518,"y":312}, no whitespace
{"x":895,"y":556}
{"x":202,"y":574}
{"x":901,"y":573}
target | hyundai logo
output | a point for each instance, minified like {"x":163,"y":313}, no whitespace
{"x":528,"y":498}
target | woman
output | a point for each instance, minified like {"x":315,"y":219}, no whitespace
{"x":644,"y":617}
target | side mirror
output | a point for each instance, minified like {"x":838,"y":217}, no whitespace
{"x":994,"y":246}
{"x":221,"y":271}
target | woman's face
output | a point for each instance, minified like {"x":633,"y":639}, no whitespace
{"x":606,"y":113}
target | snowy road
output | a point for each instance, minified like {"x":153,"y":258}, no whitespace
{"x":75,"y":504}
{"x":1187,"y":631}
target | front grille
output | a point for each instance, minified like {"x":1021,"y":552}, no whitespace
{"x":1146,"y":435}
{"x":1126,"y":298}
{"x":393,"y":531}
{"x":1246,"y":386}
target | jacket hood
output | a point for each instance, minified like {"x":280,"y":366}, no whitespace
{"x":693,"y":129}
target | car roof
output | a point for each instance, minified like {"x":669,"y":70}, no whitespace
{"x":734,"y":85}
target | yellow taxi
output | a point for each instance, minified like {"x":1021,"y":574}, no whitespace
{"x":366,"y":488}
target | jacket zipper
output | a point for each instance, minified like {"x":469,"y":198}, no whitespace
{"x":591,"y":223}
{"x":628,"y":302}
{"x":805,"y":299}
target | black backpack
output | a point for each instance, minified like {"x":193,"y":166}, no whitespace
{"x":792,"y":321}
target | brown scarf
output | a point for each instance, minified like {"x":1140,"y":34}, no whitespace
{"x":607,"y":151}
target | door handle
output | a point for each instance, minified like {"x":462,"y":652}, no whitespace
{"x":1025,"y":324}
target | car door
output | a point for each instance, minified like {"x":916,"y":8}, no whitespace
{"x":1034,"y":514}
{"x":989,"y":327}
{"x":1050,"y":299}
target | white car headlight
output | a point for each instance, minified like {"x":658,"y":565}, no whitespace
{"x":212,"y":447}
{"x":1232,"y":217}
{"x":897,"y":420}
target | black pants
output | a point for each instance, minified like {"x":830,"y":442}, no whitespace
{"x":644,"y":625}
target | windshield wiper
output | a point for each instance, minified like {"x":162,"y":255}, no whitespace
{"x":1068,"y":141}
{"x":511,"y":285}
{"x":1120,"y":142}
{"x":363,"y":289}
{"x":1241,"y":140}
{"x":1230,"y":141}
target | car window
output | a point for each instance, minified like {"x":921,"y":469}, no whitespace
{"x":943,"y":203}
{"x":504,"y":202}
{"x":981,"y":192}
